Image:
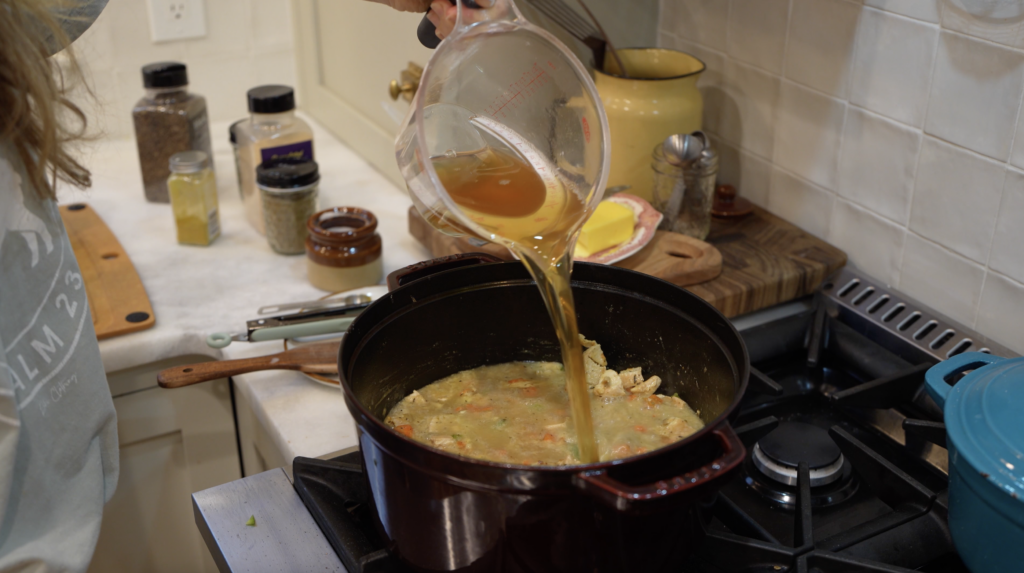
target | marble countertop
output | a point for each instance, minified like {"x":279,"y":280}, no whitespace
{"x":199,"y":290}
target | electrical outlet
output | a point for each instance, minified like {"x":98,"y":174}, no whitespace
{"x":176,"y":19}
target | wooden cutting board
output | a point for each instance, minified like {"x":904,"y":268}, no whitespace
{"x":764,"y":260}
{"x":673,"y":257}
{"x":117,"y":299}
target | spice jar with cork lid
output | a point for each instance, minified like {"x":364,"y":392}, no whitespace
{"x":288,"y":192}
{"x":343,"y":249}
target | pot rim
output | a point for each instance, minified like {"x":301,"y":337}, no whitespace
{"x":709,"y":427}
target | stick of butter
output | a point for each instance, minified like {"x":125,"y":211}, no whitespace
{"x":611,"y":224}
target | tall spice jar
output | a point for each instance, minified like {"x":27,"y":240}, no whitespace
{"x":288,"y":194}
{"x":343,"y":249}
{"x":271,"y":134}
{"x":167,"y":120}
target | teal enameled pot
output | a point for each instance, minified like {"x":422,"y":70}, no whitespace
{"x":984,"y":415}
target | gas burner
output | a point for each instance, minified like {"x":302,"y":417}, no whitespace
{"x":779,"y":454}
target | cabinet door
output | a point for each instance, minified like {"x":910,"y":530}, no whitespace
{"x":348,"y":52}
{"x":172,"y":443}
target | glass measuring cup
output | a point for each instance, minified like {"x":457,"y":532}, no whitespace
{"x":499,"y":84}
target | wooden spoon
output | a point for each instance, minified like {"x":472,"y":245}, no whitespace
{"x":319,"y":358}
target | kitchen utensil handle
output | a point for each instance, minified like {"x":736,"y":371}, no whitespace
{"x":219,"y":340}
{"x":329,"y":326}
{"x":427,"y":32}
{"x":935,"y":377}
{"x":422,"y":269}
{"x":189,"y":374}
{"x":623,"y":497}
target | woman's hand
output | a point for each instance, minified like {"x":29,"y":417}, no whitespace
{"x":442,"y":15}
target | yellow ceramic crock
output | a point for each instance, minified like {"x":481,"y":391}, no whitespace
{"x":658,"y":99}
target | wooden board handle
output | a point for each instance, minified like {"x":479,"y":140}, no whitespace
{"x":189,"y":374}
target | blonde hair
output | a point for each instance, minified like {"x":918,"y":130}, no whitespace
{"x":37,"y":117}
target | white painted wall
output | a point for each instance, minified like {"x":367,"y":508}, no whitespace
{"x":888,"y":127}
{"x":248,"y":43}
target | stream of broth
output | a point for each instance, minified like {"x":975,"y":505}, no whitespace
{"x":535,"y":216}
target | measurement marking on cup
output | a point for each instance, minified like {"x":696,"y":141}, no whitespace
{"x":525,"y":86}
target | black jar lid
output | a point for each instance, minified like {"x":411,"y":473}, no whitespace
{"x":232,"y":135}
{"x":287,"y":174}
{"x":271,"y":99}
{"x":164,"y":75}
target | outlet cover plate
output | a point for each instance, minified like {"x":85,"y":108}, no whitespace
{"x":171,"y":20}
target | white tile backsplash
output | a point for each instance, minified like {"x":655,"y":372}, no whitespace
{"x":977,"y":87}
{"x":877,"y":166}
{"x":1008,"y":243}
{"x":807,"y":134}
{"x":892,"y":66}
{"x":745,"y":108}
{"x":800,"y":202}
{"x":927,"y":10}
{"x":756,"y":32}
{"x":873,"y":244}
{"x":996,"y":21}
{"x":701,"y":21}
{"x":887,"y":127}
{"x":956,"y":198}
{"x":247,"y":41}
{"x":997,"y":318}
{"x":941,"y":279}
{"x":821,"y":36}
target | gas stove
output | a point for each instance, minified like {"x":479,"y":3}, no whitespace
{"x":846,"y":464}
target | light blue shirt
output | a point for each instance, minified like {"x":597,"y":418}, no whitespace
{"x":58,"y":429}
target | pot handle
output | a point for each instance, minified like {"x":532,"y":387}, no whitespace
{"x":935,"y":377}
{"x":406,"y":275}
{"x":623,"y":497}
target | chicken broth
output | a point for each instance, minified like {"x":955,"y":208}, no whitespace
{"x":517,"y":413}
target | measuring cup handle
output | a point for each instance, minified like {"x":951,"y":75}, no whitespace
{"x":419,"y":270}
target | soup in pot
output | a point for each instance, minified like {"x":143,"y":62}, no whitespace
{"x":517,"y":412}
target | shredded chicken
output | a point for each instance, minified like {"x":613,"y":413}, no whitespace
{"x":416,"y":398}
{"x":631,"y":377}
{"x":609,"y":385}
{"x":587,"y":343}
{"x":646,"y":387}
{"x":442,"y":441}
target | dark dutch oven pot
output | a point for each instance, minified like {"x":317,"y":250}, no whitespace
{"x":442,"y":512}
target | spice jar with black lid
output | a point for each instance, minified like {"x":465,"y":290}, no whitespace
{"x":168,"y":120}
{"x":271,"y":134}
{"x":288,"y":191}
{"x":343,"y":249}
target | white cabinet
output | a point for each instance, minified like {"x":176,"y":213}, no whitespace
{"x":172,"y":443}
{"x":348,"y":52}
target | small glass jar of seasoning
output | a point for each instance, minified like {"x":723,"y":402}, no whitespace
{"x":193,"y":192}
{"x":343,"y":249}
{"x":167,"y":120}
{"x":288,"y":192}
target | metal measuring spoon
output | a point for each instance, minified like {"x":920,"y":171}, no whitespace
{"x":680,"y":150}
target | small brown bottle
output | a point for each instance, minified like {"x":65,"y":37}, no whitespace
{"x":343,"y":249}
